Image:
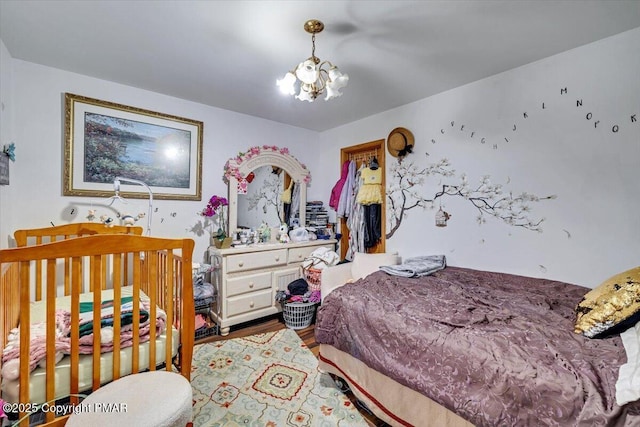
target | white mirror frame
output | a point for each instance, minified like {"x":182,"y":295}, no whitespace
{"x":267,"y":156}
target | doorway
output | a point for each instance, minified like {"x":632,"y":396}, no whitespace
{"x":362,"y":154}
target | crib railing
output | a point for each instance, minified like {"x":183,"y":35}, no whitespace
{"x":9,"y":300}
{"x":38,"y":236}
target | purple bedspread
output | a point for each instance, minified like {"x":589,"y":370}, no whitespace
{"x":497,"y":349}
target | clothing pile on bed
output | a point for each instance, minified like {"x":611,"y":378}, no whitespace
{"x":417,"y":266}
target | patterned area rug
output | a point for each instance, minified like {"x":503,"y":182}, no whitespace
{"x":268,"y":380}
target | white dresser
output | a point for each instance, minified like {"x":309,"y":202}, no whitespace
{"x":248,"y":278}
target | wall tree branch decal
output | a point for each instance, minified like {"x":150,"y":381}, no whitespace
{"x":489,"y":199}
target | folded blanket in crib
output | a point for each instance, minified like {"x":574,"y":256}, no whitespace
{"x":106,"y":314}
{"x":63,"y":322}
{"x":417,"y":266}
{"x":37,"y":336}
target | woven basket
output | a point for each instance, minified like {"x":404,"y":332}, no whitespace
{"x":298,"y":315}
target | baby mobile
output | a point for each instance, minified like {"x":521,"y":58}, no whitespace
{"x":126,"y":219}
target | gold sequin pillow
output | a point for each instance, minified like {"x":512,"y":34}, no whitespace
{"x":611,"y":308}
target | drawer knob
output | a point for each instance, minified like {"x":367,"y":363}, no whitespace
{"x":251,"y":304}
{"x":277,"y":258}
{"x":240,"y":264}
{"x":251,"y":285}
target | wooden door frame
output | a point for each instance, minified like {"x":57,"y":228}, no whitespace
{"x":360,"y":152}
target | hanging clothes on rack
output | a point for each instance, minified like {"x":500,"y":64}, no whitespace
{"x":371,"y":190}
{"x":372,"y":224}
{"x":295,"y":204}
{"x":285,"y":198}
{"x":356,"y":223}
{"x":337,"y":188}
{"x":347,"y":195}
{"x":370,"y":197}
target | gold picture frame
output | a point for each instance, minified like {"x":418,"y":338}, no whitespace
{"x":104,"y":140}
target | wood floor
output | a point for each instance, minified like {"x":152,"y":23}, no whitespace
{"x":267,"y":324}
{"x":275,"y":323}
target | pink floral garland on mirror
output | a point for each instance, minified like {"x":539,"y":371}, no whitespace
{"x":233,"y":171}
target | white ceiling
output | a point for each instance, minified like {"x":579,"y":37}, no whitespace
{"x":229,"y":54}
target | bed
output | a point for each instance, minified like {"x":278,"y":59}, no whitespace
{"x":51,"y":295}
{"x":463,"y":348}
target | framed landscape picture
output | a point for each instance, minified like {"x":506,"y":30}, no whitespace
{"x":104,"y":140}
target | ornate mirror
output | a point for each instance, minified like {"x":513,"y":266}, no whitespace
{"x":261,"y":174}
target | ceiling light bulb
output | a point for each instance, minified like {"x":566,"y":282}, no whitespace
{"x":307,"y":72}
{"x":331,"y":93}
{"x":305,"y":93}
{"x":287,"y":84}
{"x":337,"y":79}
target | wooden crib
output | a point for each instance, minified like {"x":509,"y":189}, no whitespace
{"x":46,"y":282}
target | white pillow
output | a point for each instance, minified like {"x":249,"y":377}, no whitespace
{"x":628,"y":384}
{"x":364,"y":264}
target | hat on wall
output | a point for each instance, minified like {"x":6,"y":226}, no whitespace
{"x":400,"y":142}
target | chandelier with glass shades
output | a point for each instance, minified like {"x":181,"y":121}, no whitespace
{"x":314,"y":75}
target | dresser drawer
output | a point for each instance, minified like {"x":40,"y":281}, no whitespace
{"x":299,"y":254}
{"x":253,"y":260}
{"x":249,"y":283}
{"x":249,"y":302}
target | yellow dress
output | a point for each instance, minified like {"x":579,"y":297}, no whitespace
{"x":371,"y":189}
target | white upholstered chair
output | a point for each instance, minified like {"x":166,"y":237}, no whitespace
{"x":148,"y":399}
{"x":362,"y":265}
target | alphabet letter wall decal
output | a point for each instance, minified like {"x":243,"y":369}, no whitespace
{"x":404,"y":192}
{"x":563,"y":91}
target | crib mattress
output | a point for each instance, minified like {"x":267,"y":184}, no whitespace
{"x":37,"y":382}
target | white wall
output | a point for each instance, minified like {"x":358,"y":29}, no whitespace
{"x":6,"y":136}
{"x":592,"y":229}
{"x":36,"y":180}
